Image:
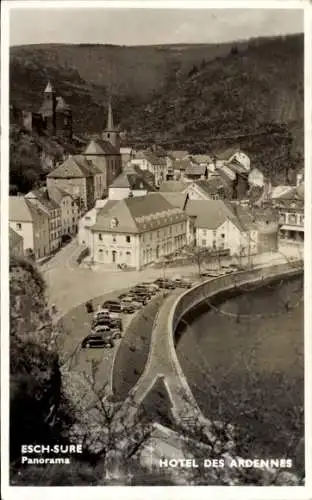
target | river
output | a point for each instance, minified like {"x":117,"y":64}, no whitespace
{"x":243,"y":358}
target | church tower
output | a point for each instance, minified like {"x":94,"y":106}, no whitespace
{"x":111,"y":133}
{"x":48,"y":109}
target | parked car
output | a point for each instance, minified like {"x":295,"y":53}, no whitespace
{"x":101,"y":317}
{"x":142,"y":299}
{"x":104,"y":321}
{"x":182,"y":283}
{"x":128,"y":307}
{"x":101,"y":312}
{"x":165,"y":283}
{"x":116,"y":323}
{"x":129,"y":301}
{"x":116,"y":333}
{"x":112,"y":304}
{"x":143,"y":289}
{"x":98,"y":340}
{"x":151,"y":286}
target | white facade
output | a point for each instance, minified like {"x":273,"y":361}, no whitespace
{"x":242,"y":158}
{"x":256,"y":178}
{"x":35,"y":235}
{"x":137,"y":250}
{"x":228,"y":236}
{"x":84,"y":225}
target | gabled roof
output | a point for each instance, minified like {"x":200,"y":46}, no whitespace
{"x":210,"y":214}
{"x":100,"y":147}
{"x":22,"y":210}
{"x":155,"y":160}
{"x":177,"y":200}
{"x":178,"y":154}
{"x":227,"y":172}
{"x":125,"y":150}
{"x":137,"y":215}
{"x":196,"y":170}
{"x":202,"y":159}
{"x":227,"y":154}
{"x":172,"y":187}
{"x":42,"y":197}
{"x":208,"y":187}
{"x":61,"y":104}
{"x":73,"y":167}
{"x":182,"y":165}
{"x":131,"y":181}
{"x":296,"y":193}
{"x":14,"y":239}
{"x":56,"y":194}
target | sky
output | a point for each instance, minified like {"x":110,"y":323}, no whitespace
{"x":148,"y":26}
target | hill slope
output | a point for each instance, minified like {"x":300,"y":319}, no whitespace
{"x":182,"y":96}
{"x":123,"y":70}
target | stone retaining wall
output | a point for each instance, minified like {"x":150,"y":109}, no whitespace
{"x":211,"y":287}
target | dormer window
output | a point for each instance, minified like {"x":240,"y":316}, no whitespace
{"x":114,"y":222}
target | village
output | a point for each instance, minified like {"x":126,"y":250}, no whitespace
{"x":133,"y":209}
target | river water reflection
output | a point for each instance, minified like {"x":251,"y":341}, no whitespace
{"x":243,"y":359}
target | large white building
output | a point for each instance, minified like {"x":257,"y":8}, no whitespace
{"x":137,"y":231}
{"x":214,"y":225}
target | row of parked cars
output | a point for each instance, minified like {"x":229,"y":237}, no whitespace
{"x":106,"y":325}
{"x":225,"y":269}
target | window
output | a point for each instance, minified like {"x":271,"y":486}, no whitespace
{"x":100,"y":237}
{"x":151,"y":236}
{"x":222,"y":235}
{"x":128,"y":239}
{"x":214,"y":233}
{"x":114,"y":239}
{"x":204,"y":232}
{"x":18,"y":226}
{"x":214,"y":246}
{"x":203,"y":243}
{"x":292,"y":219}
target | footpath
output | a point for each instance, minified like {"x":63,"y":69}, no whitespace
{"x":161,"y":364}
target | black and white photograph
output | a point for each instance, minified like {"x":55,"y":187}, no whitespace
{"x":155,"y":199}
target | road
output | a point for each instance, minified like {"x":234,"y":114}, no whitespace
{"x":69,"y":285}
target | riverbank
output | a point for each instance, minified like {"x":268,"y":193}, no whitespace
{"x":244,"y":349}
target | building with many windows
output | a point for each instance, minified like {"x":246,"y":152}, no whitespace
{"x":40,"y":198}
{"x":137,"y":231}
{"x":290,"y":206}
{"x":69,"y":210}
{"x":213,"y":224}
{"x":32,"y":223}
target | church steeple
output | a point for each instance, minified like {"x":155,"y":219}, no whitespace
{"x":111,"y":133}
{"x":110,"y":120}
{"x":49,"y":88}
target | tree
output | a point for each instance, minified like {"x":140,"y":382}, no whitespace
{"x":198,"y":256}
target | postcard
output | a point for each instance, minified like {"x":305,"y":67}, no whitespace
{"x":156,"y":297}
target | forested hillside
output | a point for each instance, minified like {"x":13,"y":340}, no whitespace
{"x":199,"y":97}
